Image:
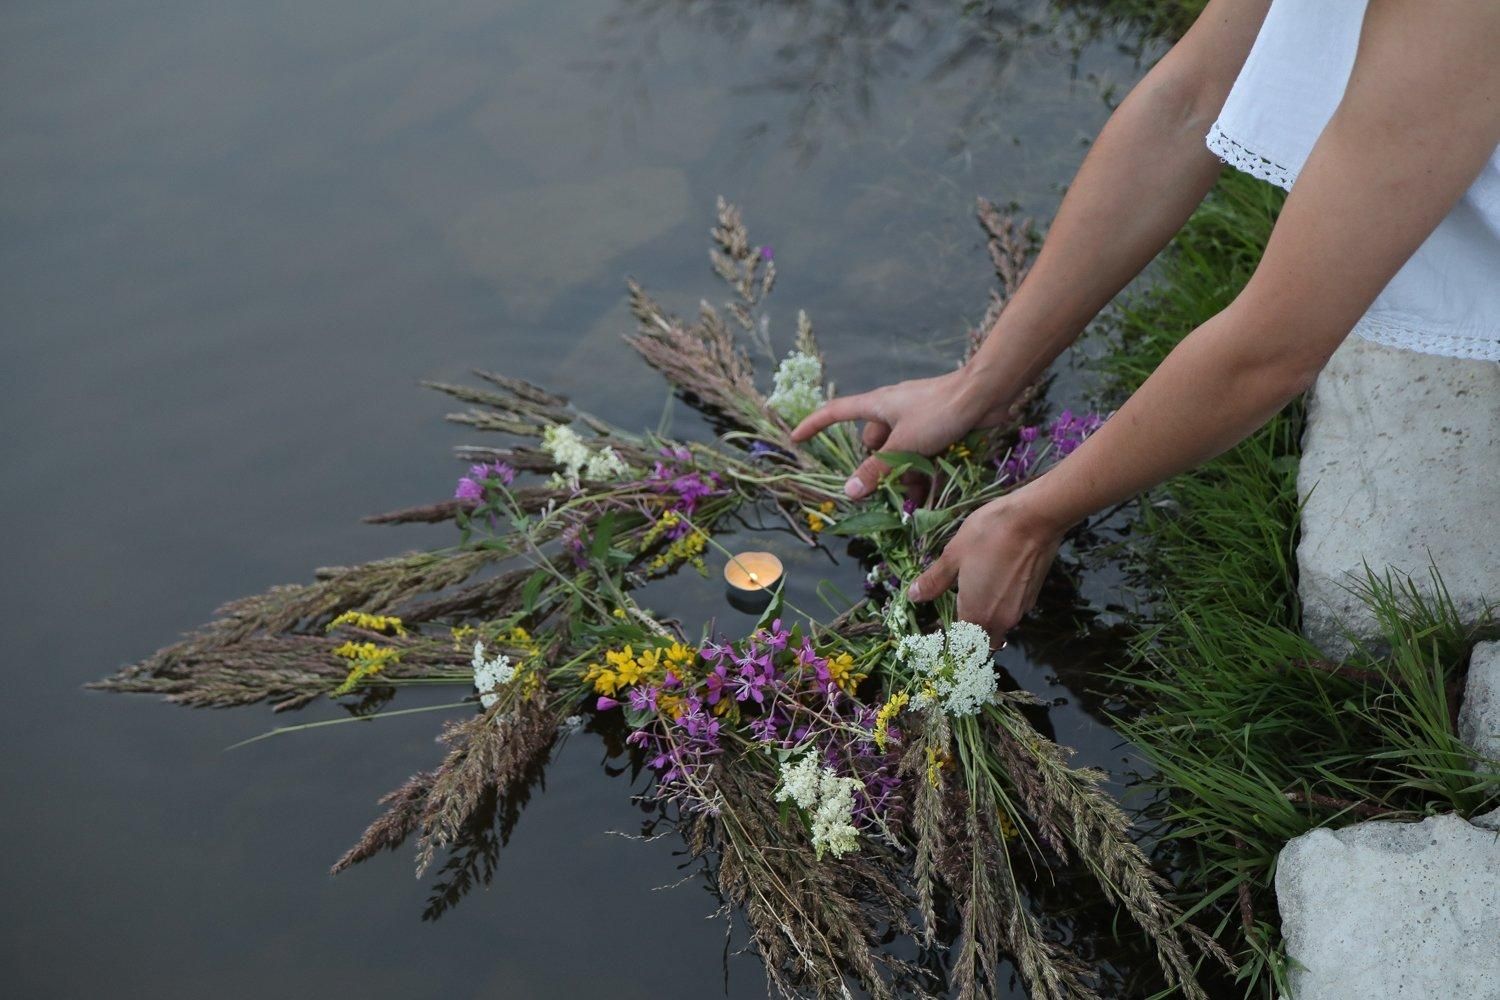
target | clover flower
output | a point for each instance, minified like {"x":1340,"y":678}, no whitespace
{"x":798,"y":386}
{"x":471,"y":487}
{"x":954,"y":667}
{"x":490,"y":674}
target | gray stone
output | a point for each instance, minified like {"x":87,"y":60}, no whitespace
{"x":1384,"y":909}
{"x":1479,"y":715}
{"x":1400,"y":466}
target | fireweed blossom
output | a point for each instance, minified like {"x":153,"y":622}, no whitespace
{"x":774,"y":689}
{"x":1068,"y":431}
{"x":1064,"y":435}
{"x":682,"y":488}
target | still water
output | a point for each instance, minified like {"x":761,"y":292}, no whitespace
{"x":232,"y":238}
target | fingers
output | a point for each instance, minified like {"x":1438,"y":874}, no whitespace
{"x":940,"y":576}
{"x":997,"y":622}
{"x":875,"y":433}
{"x":865,"y":478}
{"x":857,"y":407}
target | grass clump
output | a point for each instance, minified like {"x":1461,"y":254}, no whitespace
{"x":1255,"y":738}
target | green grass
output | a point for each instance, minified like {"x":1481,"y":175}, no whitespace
{"x":1252,"y":742}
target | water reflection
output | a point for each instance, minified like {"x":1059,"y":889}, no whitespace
{"x":234,"y":235}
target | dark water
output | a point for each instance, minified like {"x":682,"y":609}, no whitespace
{"x":232,"y":236}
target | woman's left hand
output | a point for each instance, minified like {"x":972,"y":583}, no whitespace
{"x":998,"y":558}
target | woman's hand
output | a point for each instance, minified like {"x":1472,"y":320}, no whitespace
{"x":922,"y":415}
{"x":998,"y":558}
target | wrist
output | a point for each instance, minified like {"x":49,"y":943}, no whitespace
{"x":984,"y":388}
{"x":1042,"y":507}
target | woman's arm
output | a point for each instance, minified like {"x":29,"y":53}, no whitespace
{"x":1145,"y":174}
{"x":1418,"y":121}
{"x":1148,"y":170}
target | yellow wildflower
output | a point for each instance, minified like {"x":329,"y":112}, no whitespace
{"x":463,"y":636}
{"x":888,"y":711}
{"x":936,"y":761}
{"x":680,"y":659}
{"x":605,"y":680}
{"x":841,"y":669}
{"x":374,"y":623}
{"x":1007,"y":828}
{"x":531,"y":683}
{"x":365,"y":659}
{"x":649,"y":660}
{"x":670,"y":705}
{"x":631,"y":672}
{"x":817,"y":521}
{"x":959,"y":450}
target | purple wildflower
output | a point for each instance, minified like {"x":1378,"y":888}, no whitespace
{"x":766,"y":254}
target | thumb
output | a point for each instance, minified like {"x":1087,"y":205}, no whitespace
{"x":940,"y":576}
{"x":865,"y":478}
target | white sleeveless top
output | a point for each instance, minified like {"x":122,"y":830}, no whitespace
{"x":1446,"y":299}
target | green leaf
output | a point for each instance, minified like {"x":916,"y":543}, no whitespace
{"x":533,"y":587}
{"x":773,"y":610}
{"x":604,"y":535}
{"x":900,"y":461}
{"x":867,"y":522}
{"x":927,"y":520}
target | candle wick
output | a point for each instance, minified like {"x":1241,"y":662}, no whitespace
{"x":755,"y":578}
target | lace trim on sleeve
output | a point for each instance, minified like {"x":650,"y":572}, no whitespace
{"x":1241,"y":157}
{"x":1392,"y":333}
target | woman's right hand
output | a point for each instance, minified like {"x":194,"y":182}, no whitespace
{"x":923,"y":415}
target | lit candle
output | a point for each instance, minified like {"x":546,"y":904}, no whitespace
{"x":751,"y":577}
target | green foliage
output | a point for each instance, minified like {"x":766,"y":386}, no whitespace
{"x":1254,"y":737}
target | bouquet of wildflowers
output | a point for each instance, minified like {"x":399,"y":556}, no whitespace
{"x":847,"y":780}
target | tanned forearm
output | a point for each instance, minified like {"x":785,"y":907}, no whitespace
{"x":1147,"y":171}
{"x":1420,"y":118}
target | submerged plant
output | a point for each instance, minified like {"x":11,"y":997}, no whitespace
{"x":841,"y":779}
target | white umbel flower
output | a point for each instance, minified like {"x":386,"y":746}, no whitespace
{"x":954,"y":668}
{"x":798,"y":386}
{"x":827,"y":797}
{"x":491,"y":674}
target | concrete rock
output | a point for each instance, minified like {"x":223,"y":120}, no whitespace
{"x":1479,"y":715}
{"x":1384,"y":909}
{"x":1400,"y":462}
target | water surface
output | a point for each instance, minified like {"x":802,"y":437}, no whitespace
{"x":233,"y":236}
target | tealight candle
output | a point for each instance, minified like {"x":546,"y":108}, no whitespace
{"x":751,"y":577}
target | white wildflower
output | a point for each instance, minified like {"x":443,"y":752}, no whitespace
{"x":800,"y":781}
{"x":954,"y":667}
{"x":491,"y":674}
{"x":833,"y":821}
{"x":605,"y":464}
{"x":570,"y":451}
{"x":572,"y":724}
{"x":828,"y":797}
{"x":798,"y":386}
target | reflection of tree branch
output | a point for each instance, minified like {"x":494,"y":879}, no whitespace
{"x":831,"y":54}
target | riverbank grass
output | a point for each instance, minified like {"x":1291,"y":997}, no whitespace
{"x":1255,"y":738}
